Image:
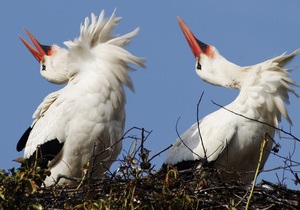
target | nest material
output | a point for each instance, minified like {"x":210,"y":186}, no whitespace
{"x":154,"y":193}
{"x":136,"y":185}
{"x":132,"y":187}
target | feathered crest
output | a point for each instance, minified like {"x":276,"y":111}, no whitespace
{"x":99,"y":31}
{"x":272,"y":87}
{"x":96,"y":40}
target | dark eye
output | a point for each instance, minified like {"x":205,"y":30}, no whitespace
{"x":43,"y":67}
{"x":198,"y":66}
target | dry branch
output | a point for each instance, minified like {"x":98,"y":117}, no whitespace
{"x":133,"y":186}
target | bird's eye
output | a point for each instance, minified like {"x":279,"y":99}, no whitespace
{"x":43,"y":67}
{"x":198,"y":65}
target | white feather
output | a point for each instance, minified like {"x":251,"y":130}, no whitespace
{"x":232,"y":136}
{"x":90,"y":109}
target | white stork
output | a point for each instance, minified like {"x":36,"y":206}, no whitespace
{"x":230,"y":138}
{"x":84,"y":121}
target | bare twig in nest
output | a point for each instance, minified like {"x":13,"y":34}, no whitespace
{"x":163,"y":150}
{"x":178,"y":135}
{"x":263,"y":144}
{"x":199,"y":132}
{"x":131,"y":186}
{"x":198,"y":123}
{"x":279,"y":129}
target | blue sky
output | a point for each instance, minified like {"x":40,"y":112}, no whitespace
{"x":244,"y":32}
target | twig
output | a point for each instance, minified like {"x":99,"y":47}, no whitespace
{"x":160,"y":152}
{"x":36,"y":158}
{"x":60,"y":176}
{"x":94,"y":160}
{"x":263,"y":144}
{"x":248,"y":118}
{"x":184,"y":142}
{"x":198,"y":123}
{"x":123,"y":137}
{"x":143,"y":139}
{"x":85,"y":174}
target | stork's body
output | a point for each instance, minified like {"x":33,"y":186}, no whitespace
{"x":231,"y":137}
{"x":84,"y":121}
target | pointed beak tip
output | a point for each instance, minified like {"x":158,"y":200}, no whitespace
{"x":190,"y":38}
{"x":180,"y":22}
{"x":38,"y":55}
{"x":22,"y":39}
{"x":179,"y":19}
{"x":40,"y":52}
{"x":25,"y":30}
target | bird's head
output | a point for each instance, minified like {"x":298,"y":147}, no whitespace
{"x":210,"y":65}
{"x":53,"y":60}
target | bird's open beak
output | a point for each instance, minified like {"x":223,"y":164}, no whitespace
{"x":197,"y":46}
{"x":41,"y":49}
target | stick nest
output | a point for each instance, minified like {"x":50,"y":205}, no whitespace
{"x":137,"y":185}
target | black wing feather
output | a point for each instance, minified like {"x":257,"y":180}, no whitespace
{"x":46,"y":152}
{"x":23,"y":140}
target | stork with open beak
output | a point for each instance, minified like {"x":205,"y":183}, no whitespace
{"x":84,"y":121}
{"x":231,"y":137}
{"x":52,"y":59}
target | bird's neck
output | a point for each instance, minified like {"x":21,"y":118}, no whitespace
{"x":222,"y":72}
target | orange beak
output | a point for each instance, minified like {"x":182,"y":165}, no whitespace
{"x":196,"y":46}
{"x":41,"y":49}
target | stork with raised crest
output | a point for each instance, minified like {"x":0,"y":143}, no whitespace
{"x":230,"y":138}
{"x":84,"y":121}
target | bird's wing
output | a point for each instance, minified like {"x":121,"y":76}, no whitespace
{"x":205,"y":140}
{"x":39,"y":112}
{"x":43,"y":107}
{"x":40,"y":133}
{"x":23,"y":140}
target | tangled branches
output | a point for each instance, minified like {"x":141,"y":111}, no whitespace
{"x":136,"y":185}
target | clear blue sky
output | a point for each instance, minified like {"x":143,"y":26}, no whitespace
{"x":244,"y":32}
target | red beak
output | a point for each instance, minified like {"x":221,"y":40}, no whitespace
{"x":41,"y":49}
{"x":197,"y":46}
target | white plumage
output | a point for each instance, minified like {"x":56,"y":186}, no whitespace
{"x":232,"y":142}
{"x":90,"y":109}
